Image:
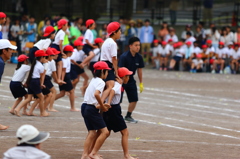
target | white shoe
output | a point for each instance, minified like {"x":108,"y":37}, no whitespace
{"x":221,"y":72}
{"x":213,"y":71}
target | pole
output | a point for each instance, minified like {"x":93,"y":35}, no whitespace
{"x":134,"y":6}
{"x":108,"y":6}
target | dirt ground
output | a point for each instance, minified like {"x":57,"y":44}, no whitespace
{"x":181,"y":115}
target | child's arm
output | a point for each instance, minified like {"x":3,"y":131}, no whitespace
{"x":61,"y":46}
{"x":42,"y":76}
{"x":110,"y":97}
{"x":101,"y":106}
{"x":90,"y":44}
{"x":63,"y":73}
{"x":75,"y":63}
{"x":87,"y":59}
{"x":115,"y":65}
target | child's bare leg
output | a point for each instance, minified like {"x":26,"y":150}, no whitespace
{"x":75,"y":82}
{"x":54,"y":92}
{"x":94,"y":141}
{"x":125,"y":144}
{"x":15,"y":105}
{"x":60,"y":95}
{"x":172,"y":63}
{"x":222,"y":64}
{"x":3,"y":127}
{"x":36,"y":102}
{"x":26,"y":101}
{"x":88,"y":142}
{"x":99,"y":142}
{"x":43,"y":112}
{"x":47,"y":100}
{"x":85,"y":83}
{"x":59,"y":69}
{"x":109,"y":85}
{"x":72,"y":101}
{"x":165,"y":61}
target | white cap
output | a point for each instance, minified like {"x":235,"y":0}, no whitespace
{"x":230,"y":43}
{"x":4,"y":44}
{"x":30,"y":135}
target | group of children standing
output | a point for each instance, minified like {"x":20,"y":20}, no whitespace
{"x":101,"y":105}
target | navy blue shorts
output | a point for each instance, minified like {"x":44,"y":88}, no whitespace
{"x":92,"y":118}
{"x":17,"y":89}
{"x":79,"y":70}
{"x":59,"y":58}
{"x":68,"y":86}
{"x":87,"y":48}
{"x":91,"y":67}
{"x":111,"y":74}
{"x":48,"y":82}
{"x":34,"y":86}
{"x":73,"y":73}
{"x":177,"y":58}
{"x":114,"y":119}
{"x":31,"y":54}
{"x":131,"y":90}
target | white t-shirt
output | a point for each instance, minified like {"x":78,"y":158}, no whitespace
{"x":197,"y":50}
{"x":146,"y":33}
{"x":165,"y":50}
{"x":43,"y":44}
{"x":67,"y":64}
{"x":78,"y":56}
{"x":210,"y":49}
{"x":51,"y":68}
{"x":228,"y":52}
{"x":179,"y":52}
{"x":97,"y":52}
{"x":155,"y":50}
{"x":109,"y":50}
{"x":88,"y":36}
{"x":117,"y":95}
{"x":20,"y":74}
{"x":235,"y":54}
{"x":197,"y":62}
{"x":38,"y":69}
{"x":95,"y":84}
{"x":174,"y":38}
{"x":59,"y":36}
{"x":221,"y":52}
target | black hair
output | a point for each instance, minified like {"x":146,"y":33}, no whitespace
{"x":98,"y":73}
{"x":214,"y":29}
{"x":1,"y":51}
{"x":147,"y":20}
{"x":31,"y":17}
{"x":19,"y":65}
{"x":69,"y":23}
{"x":25,"y":144}
{"x":115,"y":32}
{"x":90,"y":26}
{"x":189,"y":33}
{"x":133,"y":40}
{"x":67,"y":52}
{"x":31,"y":70}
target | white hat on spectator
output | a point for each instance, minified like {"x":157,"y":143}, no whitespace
{"x":230,"y":43}
{"x":5,"y":44}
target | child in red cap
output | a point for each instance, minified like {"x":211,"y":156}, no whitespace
{"x":109,"y":55}
{"x":16,"y":85}
{"x":155,"y":54}
{"x":2,"y":21}
{"x":197,"y":64}
{"x":164,"y":52}
{"x":220,"y":51}
{"x":67,"y":87}
{"x":113,"y":117}
{"x":92,"y":103}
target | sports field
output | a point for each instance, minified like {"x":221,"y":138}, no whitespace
{"x":180,"y":115}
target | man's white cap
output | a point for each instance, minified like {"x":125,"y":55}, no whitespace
{"x":5,"y":44}
{"x":30,"y":135}
{"x":230,"y":43}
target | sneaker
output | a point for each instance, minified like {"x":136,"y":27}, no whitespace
{"x":221,"y":72}
{"x":130,"y":120}
{"x":160,"y":68}
{"x":165,"y":69}
{"x":213,"y":71}
{"x":194,"y":71}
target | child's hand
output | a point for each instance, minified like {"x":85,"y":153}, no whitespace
{"x":119,"y":80}
{"x":105,"y":107}
{"x":43,"y":86}
{"x":94,"y":46}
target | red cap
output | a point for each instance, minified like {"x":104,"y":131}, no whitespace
{"x":22,"y":58}
{"x":2,"y":15}
{"x":221,"y":43}
{"x":55,"y":51}
{"x":78,"y":43}
{"x":209,"y":41}
{"x":199,"y":56}
{"x":155,"y":41}
{"x":40,"y":53}
{"x":48,"y":31}
{"x":89,"y":22}
{"x":164,"y":43}
{"x":176,"y":45}
{"x":204,"y":46}
{"x":101,"y":65}
{"x":98,"y":40}
{"x":211,"y":61}
{"x":112,"y":27}
{"x":68,"y":48}
{"x":189,"y":43}
{"x":80,"y":38}
{"x":123,"y":71}
{"x":61,"y":22}
{"x":180,"y":43}
{"x":170,"y":40}
{"x":49,"y":52}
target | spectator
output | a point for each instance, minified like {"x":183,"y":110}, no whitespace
{"x":95,"y":34}
{"x":163,"y":31}
{"x":178,"y":53}
{"x":197,"y":64}
{"x":16,"y":34}
{"x":46,"y":24}
{"x":103,"y":32}
{"x":187,"y":29}
{"x":235,"y":57}
{"x":188,"y":56}
{"x":139,"y":27}
{"x":132,"y":30}
{"x":190,"y":38}
{"x":6,"y":28}
{"x":164,"y":51}
{"x":2,"y":21}
{"x":121,"y":41}
{"x":155,"y":54}
{"x":29,"y":144}
{"x":227,"y":53}
{"x":198,"y":36}
{"x":173,"y":11}
{"x":74,"y":32}
{"x":41,"y":25}
{"x":219,"y":58}
{"x":196,"y":49}
{"x":237,"y":36}
{"x":31,"y":30}
{"x":225,"y":36}
{"x":202,"y":30}
{"x":214,"y":36}
{"x":171,"y":35}
{"x":207,"y":12}
{"x":230,"y":33}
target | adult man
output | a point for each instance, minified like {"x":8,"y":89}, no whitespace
{"x":6,"y":49}
{"x":146,"y":37}
{"x":29,"y":144}
{"x":133,"y":61}
{"x":2,"y":21}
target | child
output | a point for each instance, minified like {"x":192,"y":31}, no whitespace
{"x":113,"y":117}
{"x":235,"y":57}
{"x":164,"y":52}
{"x":109,"y":55}
{"x":35,"y":83}
{"x":155,"y":54}
{"x":219,"y":58}
{"x":197,"y":64}
{"x":90,"y":112}
{"x":58,"y":44}
{"x":44,"y":43}
{"x":68,"y":87}
{"x":178,"y":54}
{"x":187,"y":61}
{"x":76,"y":70}
{"x":16,"y":86}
